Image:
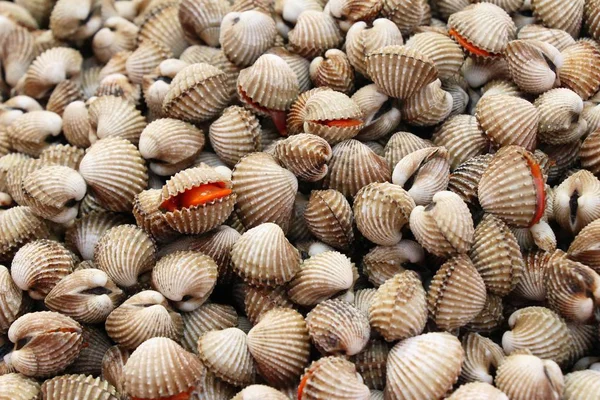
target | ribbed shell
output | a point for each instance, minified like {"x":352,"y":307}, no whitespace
{"x":580,"y":71}
{"x":115,"y":172}
{"x":553,"y":14}
{"x":118,"y":85}
{"x":354,"y":165}
{"x":332,"y":378}
{"x":244,"y":36}
{"x":482,"y":356}
{"x":329,"y":217}
{"x":235,"y":134}
{"x":370,"y":364}
{"x":20,"y":226}
{"x":62,"y":154}
{"x":513,"y":167}
{"x":443,"y":51}
{"x":196,"y":94}
{"x":527,"y":377}
{"x":556,"y":37}
{"x":118,"y":34}
{"x":143,"y":316}
{"x":280,"y":345}
{"x":225,"y":353}
{"x":209,"y":316}
{"x":124,"y":252}
{"x":560,"y":116}
{"x":584,"y":249}
{"x":533,"y":65}
{"x":82,"y":236}
{"x":63,"y":94}
{"x":589,"y":153}
{"x":297,"y":63}
{"x":407,"y":15}
{"x":477,"y":390}
{"x":305,"y":155}
{"x":582,"y":385}
{"x":209,"y":387}
{"x":30,"y":132}
{"x":161,"y":25}
{"x":49,"y":69}
{"x":258,"y":392}
{"x":428,"y":106}
{"x":76,"y":124}
{"x":296,"y":115}
{"x":381,"y":115}
{"x":201,"y":20}
{"x":11,"y":300}
{"x":400,"y":71}
{"x":575,"y":203}
{"x":259,"y":300}
{"x":115,"y":116}
{"x":531,"y":285}
{"x":383,"y":262}
{"x":160,"y":367}
{"x":381,"y":210}
{"x":333,"y":70}
{"x":257,"y":203}
{"x":313,"y":34}
{"x":463,"y":138}
{"x":18,"y":387}
{"x":402,"y":144}
{"x":321,"y":277}
{"x":423,"y":367}
{"x":147,"y":56}
{"x":75,"y":387}
{"x":149,"y":217}
{"x":186,"y":278}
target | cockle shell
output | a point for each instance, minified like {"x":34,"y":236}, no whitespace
{"x":305,"y":155}
{"x":556,"y":37}
{"x":260,"y":300}
{"x":429,"y":106}
{"x":161,"y":25}
{"x":76,"y":124}
{"x":443,"y":51}
{"x":244,"y":36}
{"x":48,"y":69}
{"x":527,"y":377}
{"x":346,"y":12}
{"x":74,"y":20}
{"x":329,"y":217}
{"x":63,"y":154}
{"x":18,"y":53}
{"x":402,"y":144}
{"x":491,"y":316}
{"x":575,"y":201}
{"x":258,"y":392}
{"x":45,"y":343}
{"x":589,"y":152}
{"x":550,"y":14}
{"x":235,"y":134}
{"x":144,"y":315}
{"x":297,"y":63}
{"x":313,"y":34}
{"x":201,"y":20}
{"x":380,"y":112}
{"x":533,"y":65}
{"x":11,"y":300}
{"x":22,"y":227}
{"x":463,"y":137}
{"x":82,"y":236}
{"x":580,"y":71}
{"x":477,"y":390}
{"x":15,"y":176}
{"x":332,"y":378}
{"x":156,"y":84}
{"x":16,"y":106}
{"x":207,"y":317}
{"x":383,"y":262}
{"x":296,"y":115}
{"x":478,"y":72}
{"x":321,"y":277}
{"x":18,"y":387}
{"x":406,"y":15}
{"x":87,"y":296}
{"x":117,"y":35}
{"x":124,"y":252}
{"x":370,"y":364}
{"x":30,"y":132}
{"x":501,"y":86}
{"x":160,"y":367}
{"x":381,"y":210}
{"x":115,"y":116}
{"x":73,"y":387}
{"x":333,"y":70}
{"x":149,"y":217}
{"x":410,"y":361}
{"x":147,"y":56}
{"x":584,"y":247}
{"x":581,"y":385}
{"x":482,"y":356}
{"x":560,"y":116}
{"x":531,"y":285}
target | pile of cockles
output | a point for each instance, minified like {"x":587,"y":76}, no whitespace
{"x":300,"y":199}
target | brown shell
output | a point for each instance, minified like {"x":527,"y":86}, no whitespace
{"x":235,"y":134}
{"x":381,"y":114}
{"x":63,"y":94}
{"x":491,"y":317}
{"x":82,"y":236}
{"x":201,"y":20}
{"x":11,"y":300}
{"x":49,"y":69}
{"x":71,"y":387}
{"x":161,"y":25}
{"x":63,"y":154}
{"x":446,"y":54}
{"x":207,"y":317}
{"x":583,"y":248}
{"x":556,"y":37}
{"x":370,"y":364}
{"x":406,"y":14}
{"x":402,"y":144}
{"x":482,"y":356}
{"x":333,"y":70}
{"x":531,"y":285}
{"x":245,"y":36}
{"x":30,"y":132}
{"x":527,"y":377}
{"x":383,"y":262}
{"x":463,"y":137}
{"x":332,"y":378}
{"x":580,"y":71}
{"x":313,"y":34}
{"x":259,"y":300}
{"x":147,"y":56}
{"x":428,"y":106}
{"x":297,"y":63}
{"x":533,"y":65}
{"x":118,"y":34}
{"x":329,"y":217}
{"x":573,"y":204}
{"x":551,"y":14}
{"x":149,"y":217}
{"x":589,"y":153}
{"x":305,"y":155}
{"x":23,"y":226}
{"x":560,"y":116}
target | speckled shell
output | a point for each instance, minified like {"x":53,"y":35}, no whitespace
{"x":551,"y":14}
{"x":279,"y":365}
{"x":257,"y":203}
{"x":48,"y":69}
{"x":580,"y":71}
{"x":463,"y":137}
{"x":512,"y":167}
{"x":560,"y":116}
{"x":362,"y":40}
{"x":329,"y":217}
{"x":28,"y":132}
{"x":482,"y":356}
{"x":416,"y":70}
{"x":583,"y":248}
{"x":144,"y":315}
{"x":410,"y":361}
{"x":321,"y":277}
{"x":18,"y":387}
{"x":11,"y":300}
{"x":582,"y":385}
{"x":124,"y":252}
{"x":305,"y":155}
{"x":201,"y":20}
{"x":55,"y":341}
{"x":443,"y":51}
{"x":350,"y":156}
{"x":332,"y":378}
{"x":428,"y":106}
{"x":441,"y":231}
{"x":160,"y":367}
{"x":249,"y":256}
{"x":244,"y":36}
{"x":333,"y":70}
{"x":407,"y":15}
{"x":149,"y":217}
{"x":115,"y":116}
{"x":22,"y":227}
{"x":313,"y":34}
{"x":115,"y":172}
{"x":527,"y":377}
{"x":381,"y":210}
{"x":575,"y":203}
{"x":235,"y":134}
{"x":225,"y":353}
{"x":507,"y":120}
{"x":533,"y":65}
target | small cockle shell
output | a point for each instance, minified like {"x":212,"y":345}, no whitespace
{"x":321,"y":277}
{"x":332,"y":378}
{"x":86,"y":295}
{"x":589,"y":152}
{"x":370,"y":364}
{"x":463,"y":137}
{"x":144,"y":315}
{"x":445,"y":226}
{"x":279,"y":365}
{"x":560,"y":116}
{"x":31,"y":132}
{"x":400,"y":71}
{"x":76,"y":124}
{"x":527,"y":377}
{"x":197,"y":93}
{"x":443,"y":51}
{"x":45,"y":343}
{"x":201,"y":20}
{"x":576,"y":201}
{"x":305,"y":155}
{"x":354,"y":165}
{"x":552,"y":14}
{"x":74,"y":387}
{"x":113,"y":362}
{"x":402,"y":144}
{"x":329,"y":217}
{"x":244,"y":36}
{"x":313,"y":34}
{"x":259,"y":300}
{"x":501,"y":267}
{"x":18,"y":387}
{"x":11,"y":300}
{"x":428,"y":106}
{"x":63,"y":154}
{"x":380,"y":113}
{"x":381,"y":210}
{"x":338,"y":328}
{"x":161,"y":368}
{"x":124,"y":252}
{"x":186,"y":278}
{"x":584,"y":247}
{"x":580,"y":71}
{"x":297,"y":63}
{"x":39,"y":265}
{"x":333,"y":70}
{"x":533,"y":65}
{"x":383,"y":262}
{"x":526,"y":327}
{"x":556,"y":37}
{"x":407,"y":15}
{"x":48,"y":69}
{"x":207,"y":317}
{"x":235,"y":134}
{"x":257,"y":203}
{"x":225,"y":353}
{"x":513,"y":167}
{"x":572,"y":289}
{"x":115,"y":172}
{"x":347,"y":12}
{"x":362,"y":40}
{"x":115,"y":116}
{"x":507,"y":120}
{"x":412,"y":373}
{"x":253,"y":256}
{"x":482,"y":357}
{"x":147,"y":56}
{"x":483,"y":30}
{"x":531,"y":285}
{"x":161,"y":25}
{"x":399,"y":308}
{"x":21,"y":226}
{"x":18,"y":53}
{"x":456,"y":294}
{"x":117,"y":35}
{"x":582,"y":385}
{"x":476,"y":391}
{"x":260,"y":392}
{"x":82,"y":236}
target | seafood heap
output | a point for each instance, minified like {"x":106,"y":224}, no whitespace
{"x":299,"y":199}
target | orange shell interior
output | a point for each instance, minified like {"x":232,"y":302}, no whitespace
{"x":196,"y":196}
{"x":471,"y":48}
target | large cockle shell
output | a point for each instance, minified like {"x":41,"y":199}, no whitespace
{"x":381,"y":210}
{"x":462,"y":136}
{"x":235,"y":134}
{"x":329,"y":217}
{"x":305,"y":155}
{"x":82,"y":236}
{"x":333,"y":70}
{"x":207,"y":317}
{"x":332,"y":378}
{"x":18,"y":387}
{"x":383,"y":262}
{"x":31,"y":132}
{"x":411,"y":373}
{"x":49,"y":69}
{"x":201,"y":20}
{"x":580,"y":71}
{"x":445,"y":226}
{"x":280,"y":365}
{"x":297,"y":63}
{"x":429,"y":106}
{"x":527,"y":377}
{"x":72,"y":387}
{"x":362,"y":40}
{"x":533,"y":65}
{"x":174,"y":370}
{"x":513,"y":167}
{"x":144,"y":315}
{"x":584,"y":247}
{"x":445,"y":53}
{"x":582,"y":385}
{"x":45,"y":343}
{"x":456,"y":294}
{"x":560,"y":116}
{"x":551,"y":14}
{"x":22,"y":226}
{"x":482,"y":357}
{"x":313,"y":34}
{"x":576,"y":201}
{"x":407,"y":15}
{"x":244,"y":36}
